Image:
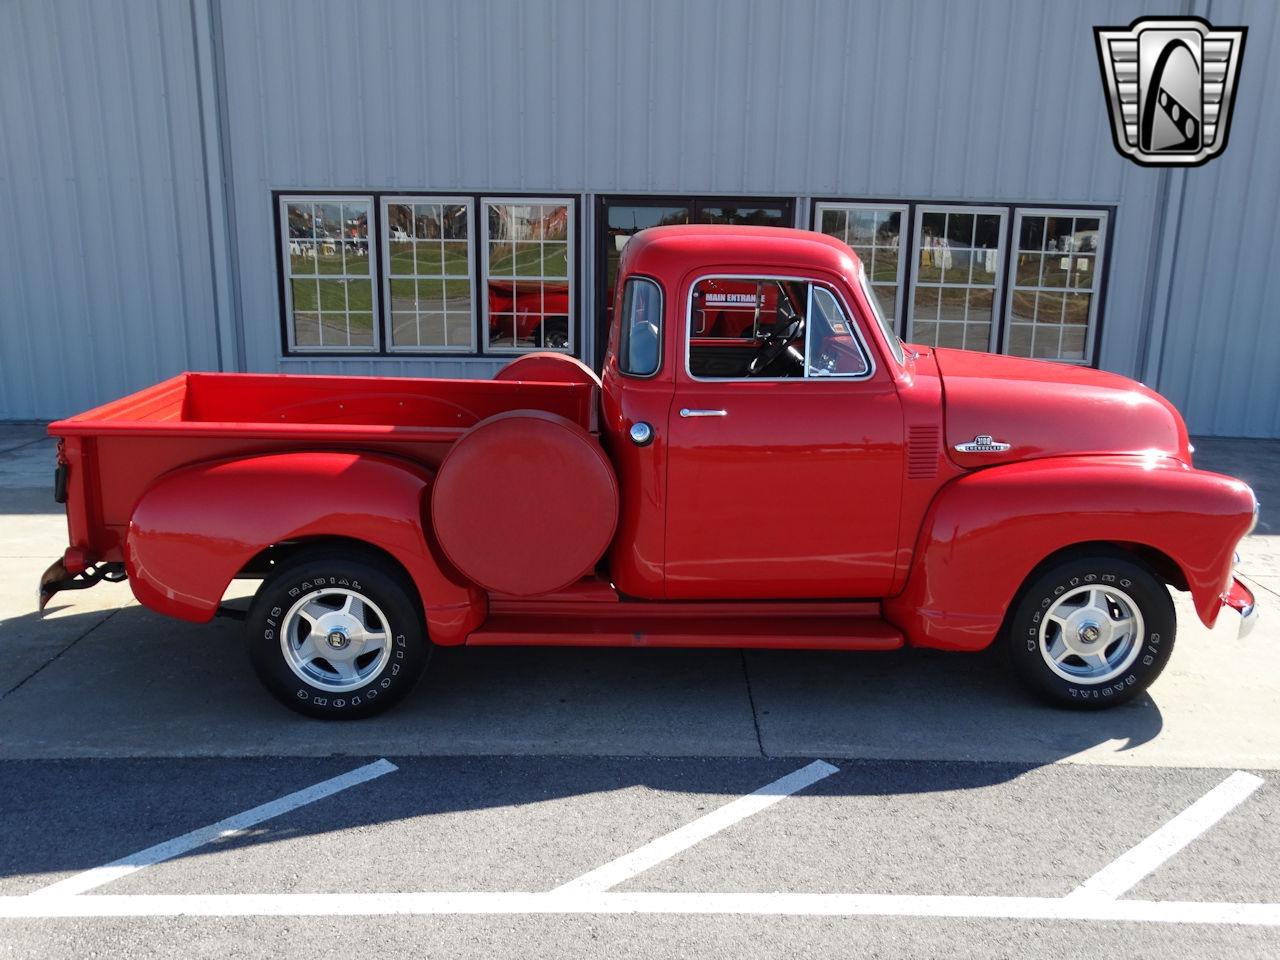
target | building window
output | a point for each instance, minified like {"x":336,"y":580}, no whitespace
{"x":875,"y":232}
{"x":528,"y":272}
{"x":957,"y":272}
{"x":428,"y":280}
{"x":1054,"y":290}
{"x":330,"y":303}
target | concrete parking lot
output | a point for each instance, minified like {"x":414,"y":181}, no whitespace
{"x":154,"y":800}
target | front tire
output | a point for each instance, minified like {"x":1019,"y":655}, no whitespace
{"x":1091,"y":632}
{"x":337,"y":637}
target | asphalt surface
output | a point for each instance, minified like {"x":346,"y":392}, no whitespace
{"x":520,"y":823}
{"x":518,"y":771}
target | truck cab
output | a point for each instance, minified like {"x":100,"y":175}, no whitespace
{"x":771,"y":391}
{"x":761,"y":463}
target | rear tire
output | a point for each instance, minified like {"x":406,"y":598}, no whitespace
{"x":336,"y":636}
{"x":1091,"y":632}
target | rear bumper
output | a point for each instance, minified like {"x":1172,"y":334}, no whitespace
{"x":51,"y":580}
{"x":58,"y":577}
{"x":1240,"y":599}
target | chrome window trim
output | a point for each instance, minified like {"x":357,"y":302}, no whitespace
{"x":662,"y":328}
{"x":891,"y":336}
{"x":867,"y":355}
{"x":385,"y":201}
{"x":1077,"y":213}
{"x":282,"y":213}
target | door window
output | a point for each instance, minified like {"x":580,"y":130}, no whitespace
{"x":770,"y":328}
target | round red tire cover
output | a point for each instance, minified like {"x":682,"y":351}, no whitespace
{"x":525,"y":503}
{"x":546,"y":367}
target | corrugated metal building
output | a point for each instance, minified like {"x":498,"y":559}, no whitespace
{"x":426,"y":188}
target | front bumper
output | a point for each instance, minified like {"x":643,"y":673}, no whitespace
{"x":1240,"y":599}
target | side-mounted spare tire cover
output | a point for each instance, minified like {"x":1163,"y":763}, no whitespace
{"x":546,"y":367}
{"x":525,"y":503}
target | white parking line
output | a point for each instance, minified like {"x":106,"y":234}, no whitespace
{"x":1127,"y":870}
{"x":752,"y":904}
{"x":667,"y":846}
{"x":91,"y":879}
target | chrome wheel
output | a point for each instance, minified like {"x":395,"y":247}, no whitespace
{"x":1091,"y":634}
{"x":335,"y":639}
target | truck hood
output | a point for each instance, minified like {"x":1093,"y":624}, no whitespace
{"x":1044,"y":409}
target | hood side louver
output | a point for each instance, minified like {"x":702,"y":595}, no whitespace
{"x":922,"y":452}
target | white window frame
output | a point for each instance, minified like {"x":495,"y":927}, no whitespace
{"x":570,"y":261}
{"x":904,"y":213}
{"x":851,"y":318}
{"x":1002,"y":261}
{"x":1095,"y":290}
{"x":411,"y":199}
{"x":282,"y":212}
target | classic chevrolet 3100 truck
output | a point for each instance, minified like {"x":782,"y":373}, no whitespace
{"x":762,"y":464}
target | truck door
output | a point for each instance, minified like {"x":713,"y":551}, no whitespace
{"x":785,"y":447}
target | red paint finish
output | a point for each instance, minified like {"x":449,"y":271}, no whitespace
{"x":794,"y":625}
{"x":180,"y":560}
{"x":512,"y":480}
{"x":548,"y":368}
{"x":1044,"y":409}
{"x":1238,"y":597}
{"x":824,"y":513}
{"x":989,"y":529}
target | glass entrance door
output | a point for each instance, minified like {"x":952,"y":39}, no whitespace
{"x":620,"y":218}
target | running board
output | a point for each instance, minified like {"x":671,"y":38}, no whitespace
{"x":789,"y":631}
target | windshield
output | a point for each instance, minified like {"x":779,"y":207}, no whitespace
{"x":886,"y":328}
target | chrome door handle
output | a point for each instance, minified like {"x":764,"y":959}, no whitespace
{"x":687,"y":412}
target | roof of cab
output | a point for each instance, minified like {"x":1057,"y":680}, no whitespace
{"x":671,"y":251}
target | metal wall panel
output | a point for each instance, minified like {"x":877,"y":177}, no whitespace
{"x":932,"y":100}
{"x":104,"y":257}
{"x":1220,"y":362}
{"x":983,"y":101}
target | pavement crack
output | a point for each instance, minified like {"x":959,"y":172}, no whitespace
{"x":21,"y":683}
{"x":751,"y":699}
{"x":23,"y":446}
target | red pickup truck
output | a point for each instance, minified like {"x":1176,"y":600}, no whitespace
{"x":762,"y":464}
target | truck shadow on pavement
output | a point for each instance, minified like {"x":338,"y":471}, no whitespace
{"x":127,"y":682}
{"x":128,"y":729}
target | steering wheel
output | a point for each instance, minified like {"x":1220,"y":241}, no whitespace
{"x":787,"y":329}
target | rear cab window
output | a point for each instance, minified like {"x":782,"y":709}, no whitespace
{"x":640,"y":334}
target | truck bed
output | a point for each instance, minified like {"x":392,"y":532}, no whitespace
{"x":114,"y":451}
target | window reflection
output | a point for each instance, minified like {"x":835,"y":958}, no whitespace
{"x":876,"y":236}
{"x":958,"y":259}
{"x":1051,"y":303}
{"x":528,"y":281}
{"x":329,"y":281}
{"x":429,"y":272}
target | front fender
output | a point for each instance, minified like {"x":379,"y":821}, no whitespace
{"x":194,"y":529}
{"x":987,"y":530}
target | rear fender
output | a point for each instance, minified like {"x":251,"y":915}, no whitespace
{"x":194,"y":529}
{"x":988,"y":530}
